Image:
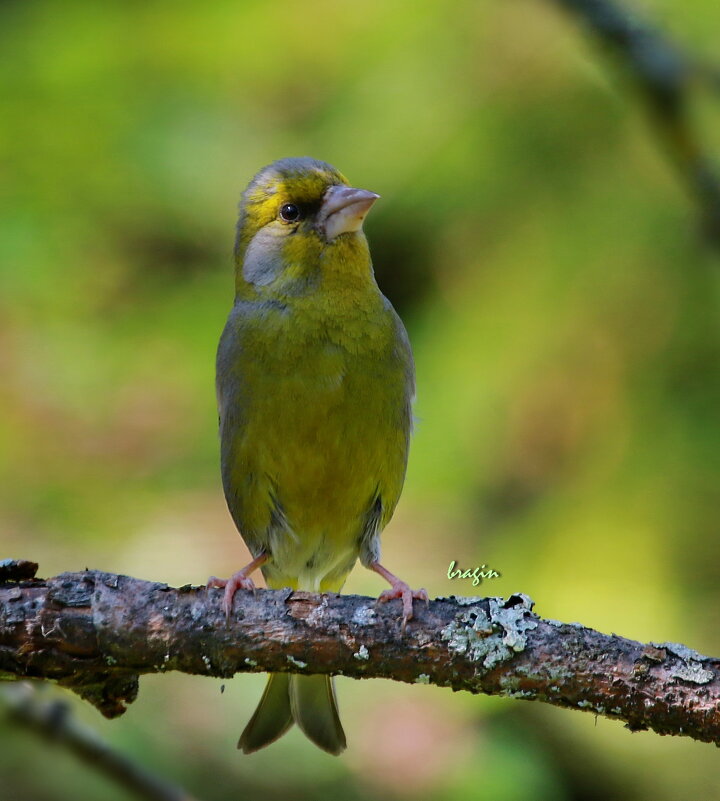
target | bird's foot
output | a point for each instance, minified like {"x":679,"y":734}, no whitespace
{"x":402,"y":590}
{"x":238,"y":581}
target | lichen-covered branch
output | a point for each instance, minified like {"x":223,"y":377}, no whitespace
{"x":95,"y":633}
{"x":665,"y":78}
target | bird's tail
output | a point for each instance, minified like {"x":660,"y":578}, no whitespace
{"x":314,"y":709}
{"x":308,"y":701}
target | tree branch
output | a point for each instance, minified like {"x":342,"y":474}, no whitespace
{"x":665,"y":78}
{"x":95,"y":633}
{"x":53,"y":720}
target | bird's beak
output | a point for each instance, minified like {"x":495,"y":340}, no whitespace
{"x":344,"y":209}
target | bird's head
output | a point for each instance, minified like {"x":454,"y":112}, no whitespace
{"x":293,"y":214}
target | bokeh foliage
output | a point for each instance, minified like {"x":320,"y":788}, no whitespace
{"x":562,"y":307}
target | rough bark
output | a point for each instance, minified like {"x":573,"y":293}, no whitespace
{"x":95,"y":633}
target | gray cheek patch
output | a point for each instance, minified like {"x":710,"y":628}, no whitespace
{"x":263,"y":258}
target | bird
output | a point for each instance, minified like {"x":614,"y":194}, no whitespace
{"x":315,"y":383}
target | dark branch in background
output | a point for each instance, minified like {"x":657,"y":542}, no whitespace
{"x":665,"y":79}
{"x":53,"y":720}
{"x":95,"y":633}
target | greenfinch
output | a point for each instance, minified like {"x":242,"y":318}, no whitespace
{"x":315,"y":382}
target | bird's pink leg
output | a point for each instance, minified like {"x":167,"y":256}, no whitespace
{"x":399,"y":589}
{"x":238,"y":581}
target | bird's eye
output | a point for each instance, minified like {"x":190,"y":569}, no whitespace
{"x":290,"y":212}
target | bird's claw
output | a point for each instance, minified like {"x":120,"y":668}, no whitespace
{"x":238,"y":581}
{"x":401,"y":589}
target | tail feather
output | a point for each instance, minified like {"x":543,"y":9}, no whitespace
{"x":308,"y":701}
{"x":314,"y":709}
{"x":272,"y":718}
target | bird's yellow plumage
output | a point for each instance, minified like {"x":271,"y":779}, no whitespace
{"x":315,"y":385}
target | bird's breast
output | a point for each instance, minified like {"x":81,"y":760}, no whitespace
{"x":313,"y":422}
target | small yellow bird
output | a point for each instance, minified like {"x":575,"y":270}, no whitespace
{"x":315,"y":382}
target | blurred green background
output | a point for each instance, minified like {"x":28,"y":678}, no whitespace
{"x":564,"y":317}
